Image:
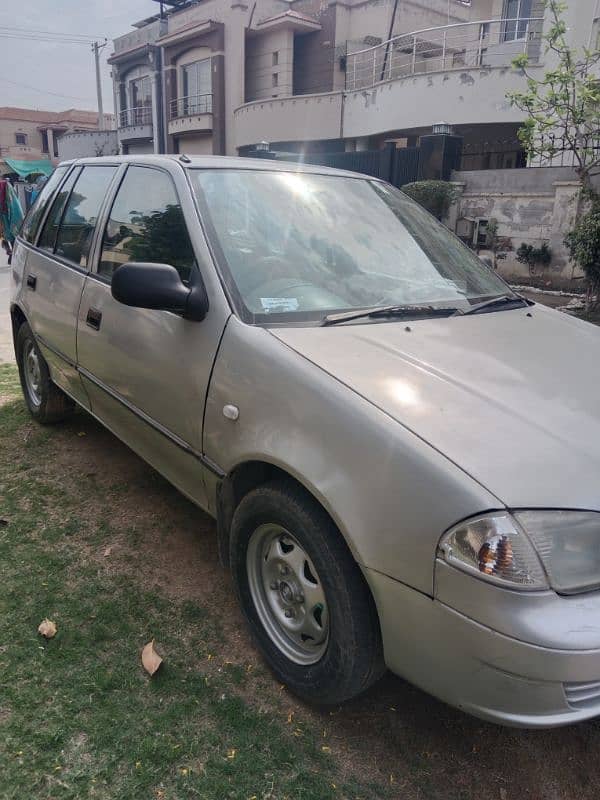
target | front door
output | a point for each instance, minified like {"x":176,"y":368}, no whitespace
{"x":146,"y":371}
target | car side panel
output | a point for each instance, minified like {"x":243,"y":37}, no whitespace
{"x":51,"y":306}
{"x":391,"y":494}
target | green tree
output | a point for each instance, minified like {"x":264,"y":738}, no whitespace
{"x":563,"y":106}
{"x":435,"y":196}
{"x":583,"y":243}
{"x":534,"y":256}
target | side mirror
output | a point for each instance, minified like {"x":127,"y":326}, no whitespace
{"x":147,"y":285}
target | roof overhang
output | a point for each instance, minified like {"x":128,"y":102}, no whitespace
{"x":288,"y":20}
{"x":189,"y":31}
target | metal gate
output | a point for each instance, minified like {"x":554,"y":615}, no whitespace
{"x":396,"y":166}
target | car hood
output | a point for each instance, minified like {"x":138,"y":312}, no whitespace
{"x":511,"y":397}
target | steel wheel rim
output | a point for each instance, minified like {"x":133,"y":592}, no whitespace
{"x":32,"y":371}
{"x":288,"y":594}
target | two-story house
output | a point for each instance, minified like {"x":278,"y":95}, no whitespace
{"x":220,"y":76}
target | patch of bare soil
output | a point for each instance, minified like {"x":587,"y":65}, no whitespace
{"x":395,"y":735}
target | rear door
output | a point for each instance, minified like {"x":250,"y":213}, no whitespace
{"x":146,"y":371}
{"x":57,"y":266}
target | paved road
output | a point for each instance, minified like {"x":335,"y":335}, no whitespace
{"x":6,"y":349}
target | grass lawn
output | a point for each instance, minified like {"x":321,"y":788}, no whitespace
{"x":95,"y":540}
{"x":78,"y":715}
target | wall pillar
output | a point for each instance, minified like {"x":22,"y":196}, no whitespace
{"x":50,"y":135}
{"x":564,"y":214}
{"x":235,"y":68}
{"x":154,"y":81}
{"x":169,"y":94}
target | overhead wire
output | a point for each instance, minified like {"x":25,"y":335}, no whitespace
{"x":44,"y":91}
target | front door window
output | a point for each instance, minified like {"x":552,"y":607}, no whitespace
{"x":146,"y":224}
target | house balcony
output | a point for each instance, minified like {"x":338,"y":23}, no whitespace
{"x":135,"y":124}
{"x":303,"y":117}
{"x":469,"y":45}
{"x":191,"y":114}
{"x":459,"y":73}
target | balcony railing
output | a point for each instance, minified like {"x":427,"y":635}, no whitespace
{"x":135,"y":116}
{"x":486,"y":43}
{"x":191,"y":105}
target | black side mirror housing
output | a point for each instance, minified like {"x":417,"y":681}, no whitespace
{"x":159,"y":286}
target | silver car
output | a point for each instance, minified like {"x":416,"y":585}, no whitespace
{"x":402,"y":454}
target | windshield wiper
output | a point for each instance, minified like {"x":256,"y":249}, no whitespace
{"x":505,"y":300}
{"x":389,"y":311}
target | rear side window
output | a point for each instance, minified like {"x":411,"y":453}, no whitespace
{"x":36,"y":212}
{"x":146,"y":224}
{"x":81,"y":214}
{"x":47,"y":238}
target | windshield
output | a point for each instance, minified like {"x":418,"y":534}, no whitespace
{"x":296,"y":246}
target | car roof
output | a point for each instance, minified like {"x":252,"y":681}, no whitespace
{"x":220,"y":162}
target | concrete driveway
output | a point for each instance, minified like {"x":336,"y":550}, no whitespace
{"x":6,"y":347}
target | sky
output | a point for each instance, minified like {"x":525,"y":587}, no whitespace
{"x":45,"y":70}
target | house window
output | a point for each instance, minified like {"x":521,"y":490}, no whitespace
{"x":20,"y":138}
{"x":276,"y":58}
{"x":45,"y":148}
{"x":275,"y":79}
{"x":197,"y":87}
{"x":517,"y":14}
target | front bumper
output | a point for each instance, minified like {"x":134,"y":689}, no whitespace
{"x":478,"y":669}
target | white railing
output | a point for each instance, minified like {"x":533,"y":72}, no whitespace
{"x":191,"y":105}
{"x":142,"y":115}
{"x":485,"y":43}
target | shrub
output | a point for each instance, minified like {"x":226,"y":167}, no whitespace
{"x":435,"y":196}
{"x":534,"y":256}
{"x":583,"y":244}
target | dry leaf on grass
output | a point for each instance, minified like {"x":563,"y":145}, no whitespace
{"x":107,"y":551}
{"x":47,"y":628}
{"x":151,"y":661}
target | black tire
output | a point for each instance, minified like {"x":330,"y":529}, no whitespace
{"x":353,"y":656}
{"x":47,"y":404}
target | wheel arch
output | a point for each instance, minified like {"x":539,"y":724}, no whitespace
{"x":17,"y":317}
{"x":245,"y":477}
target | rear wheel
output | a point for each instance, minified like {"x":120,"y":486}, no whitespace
{"x":45,"y":401}
{"x":304,"y":596}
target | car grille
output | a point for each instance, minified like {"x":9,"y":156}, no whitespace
{"x":583,"y":695}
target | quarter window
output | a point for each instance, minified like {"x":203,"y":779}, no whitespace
{"x":36,"y":212}
{"x":146,"y":224}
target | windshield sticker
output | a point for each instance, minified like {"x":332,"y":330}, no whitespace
{"x":279,"y":304}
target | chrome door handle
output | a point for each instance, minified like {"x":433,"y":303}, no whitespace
{"x":94,"y":318}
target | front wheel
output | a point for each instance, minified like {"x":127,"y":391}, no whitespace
{"x":303,"y":595}
{"x":45,"y":401}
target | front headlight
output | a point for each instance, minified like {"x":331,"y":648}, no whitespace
{"x":529,"y":549}
{"x":568,"y":543}
{"x":496,"y":548}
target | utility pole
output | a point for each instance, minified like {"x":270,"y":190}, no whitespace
{"x":97,"y":48}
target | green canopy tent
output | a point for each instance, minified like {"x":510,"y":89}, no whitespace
{"x":25,"y":168}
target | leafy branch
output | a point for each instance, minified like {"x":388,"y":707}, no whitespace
{"x":563,"y":106}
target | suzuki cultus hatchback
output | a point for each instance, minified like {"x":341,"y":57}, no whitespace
{"x":402,"y":454}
